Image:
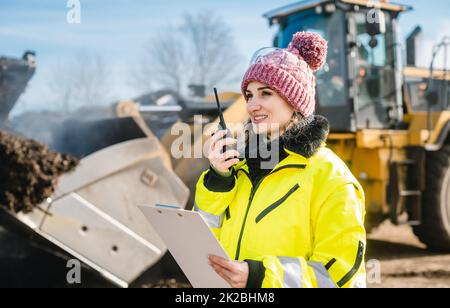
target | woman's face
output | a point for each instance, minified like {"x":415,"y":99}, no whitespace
{"x":267,"y":110}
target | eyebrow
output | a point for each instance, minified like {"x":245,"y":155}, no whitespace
{"x":259,"y":89}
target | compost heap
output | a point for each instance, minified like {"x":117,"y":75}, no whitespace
{"x":28,"y":172}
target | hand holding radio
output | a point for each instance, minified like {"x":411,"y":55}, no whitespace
{"x":222,"y":154}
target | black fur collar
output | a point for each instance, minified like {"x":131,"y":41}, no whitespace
{"x":306,"y":137}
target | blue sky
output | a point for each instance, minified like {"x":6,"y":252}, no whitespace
{"x":118,"y":29}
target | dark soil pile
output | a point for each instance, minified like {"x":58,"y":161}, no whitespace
{"x":167,"y":283}
{"x":28,"y":172}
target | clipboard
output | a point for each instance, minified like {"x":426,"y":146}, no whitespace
{"x":190,"y":241}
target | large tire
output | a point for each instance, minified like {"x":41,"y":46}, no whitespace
{"x":435,"y":228}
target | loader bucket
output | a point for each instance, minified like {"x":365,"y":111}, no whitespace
{"x":93,"y":214}
{"x":14,"y":77}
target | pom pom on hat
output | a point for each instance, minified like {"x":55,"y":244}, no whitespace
{"x":311,"y":47}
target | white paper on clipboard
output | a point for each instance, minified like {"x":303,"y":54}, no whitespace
{"x":190,"y":241}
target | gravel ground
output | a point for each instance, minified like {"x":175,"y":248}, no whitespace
{"x":404,"y":260}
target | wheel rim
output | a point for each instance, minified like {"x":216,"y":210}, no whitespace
{"x":445,"y":201}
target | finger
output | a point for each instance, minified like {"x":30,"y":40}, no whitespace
{"x":214,"y":258}
{"x":235,"y":277}
{"x":221,"y":146}
{"x":218,"y":135}
{"x":222,"y":272}
{"x":231,"y":163}
{"x":218,"y":132}
{"x":231,"y":270}
{"x":228,"y":154}
{"x":232,"y":278}
{"x":227,"y":275}
{"x":223,"y":262}
{"x":216,"y":261}
{"x":220,"y":160}
{"x":224,"y":142}
{"x":221,"y":267}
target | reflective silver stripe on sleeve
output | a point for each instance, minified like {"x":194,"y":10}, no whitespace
{"x":213,"y":221}
{"x":292,"y":269}
{"x":323,"y":277}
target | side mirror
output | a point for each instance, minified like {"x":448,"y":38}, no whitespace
{"x":275,"y":40}
{"x":375,"y":22}
{"x":412,"y":46}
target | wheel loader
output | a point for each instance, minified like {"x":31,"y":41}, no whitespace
{"x":390,"y":120}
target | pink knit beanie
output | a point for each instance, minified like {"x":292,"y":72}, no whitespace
{"x":289,"y":71}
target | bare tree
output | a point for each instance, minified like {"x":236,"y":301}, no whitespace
{"x":141,"y":76}
{"x":60,"y":83}
{"x":212,"y":46}
{"x":81,"y":81}
{"x":200,"y":51}
{"x":162,"y":63}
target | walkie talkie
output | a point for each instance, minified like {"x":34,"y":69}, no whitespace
{"x":219,"y":109}
{"x":222,"y":124}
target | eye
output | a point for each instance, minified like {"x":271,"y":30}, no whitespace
{"x":248,"y":96}
{"x":266,"y":93}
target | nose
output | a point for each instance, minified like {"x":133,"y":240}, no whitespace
{"x":253,"y":106}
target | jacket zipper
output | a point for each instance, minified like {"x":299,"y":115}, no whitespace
{"x":227,"y":213}
{"x":272,"y":207}
{"x":356,"y":266}
{"x":252,"y":194}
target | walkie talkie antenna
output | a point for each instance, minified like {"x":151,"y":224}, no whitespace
{"x":221,"y":118}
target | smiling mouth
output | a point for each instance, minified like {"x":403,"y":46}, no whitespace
{"x":259,"y":119}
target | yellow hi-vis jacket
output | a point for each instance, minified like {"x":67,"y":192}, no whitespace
{"x":303,"y":223}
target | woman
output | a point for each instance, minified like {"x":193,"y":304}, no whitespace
{"x":298,"y":222}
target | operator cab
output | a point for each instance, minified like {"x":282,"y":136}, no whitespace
{"x":359,"y":87}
